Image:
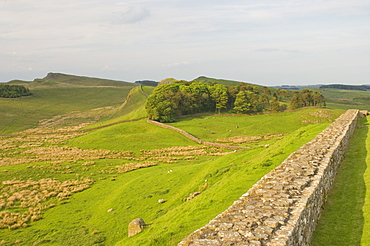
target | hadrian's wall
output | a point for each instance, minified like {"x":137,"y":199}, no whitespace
{"x":283,"y":207}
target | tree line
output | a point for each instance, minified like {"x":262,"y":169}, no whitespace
{"x":13,"y":91}
{"x":182,"y":98}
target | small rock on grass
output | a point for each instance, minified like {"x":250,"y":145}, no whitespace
{"x":135,"y":227}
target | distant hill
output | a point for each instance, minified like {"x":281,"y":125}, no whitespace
{"x":80,"y":80}
{"x":58,"y":94}
{"x":147,"y":82}
{"x":219,"y":81}
{"x":347,"y":87}
{"x":288,"y":87}
{"x":17,"y":82}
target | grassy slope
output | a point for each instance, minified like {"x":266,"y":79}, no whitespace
{"x":81,"y":80}
{"x":227,"y":178}
{"x":135,"y":194}
{"x":52,"y":98}
{"x":211,"y":128}
{"x":230,"y":182}
{"x":132,"y":108}
{"x":132,"y":136}
{"x":346,"y":99}
{"x":219,"y":81}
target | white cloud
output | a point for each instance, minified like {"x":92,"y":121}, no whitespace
{"x":237,"y":38}
{"x":267,"y":50}
{"x":132,"y":15}
{"x":108,"y":68}
{"x":176,"y":64}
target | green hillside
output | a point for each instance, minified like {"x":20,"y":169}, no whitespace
{"x":81,"y":80}
{"x":95,"y":164}
{"x":58,"y":94}
{"x":346,"y":99}
{"x":218,"y":81}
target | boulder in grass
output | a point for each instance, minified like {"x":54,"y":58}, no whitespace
{"x":135,"y":227}
{"x":192,"y":195}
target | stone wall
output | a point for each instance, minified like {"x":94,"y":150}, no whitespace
{"x":283,"y":207}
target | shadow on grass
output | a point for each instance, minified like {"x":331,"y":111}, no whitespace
{"x":342,"y":220}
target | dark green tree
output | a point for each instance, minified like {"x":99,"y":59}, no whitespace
{"x":266,"y":90}
{"x":13,"y":91}
{"x":218,"y":93}
{"x":295,"y":102}
{"x":243,"y":102}
{"x":231,"y":94}
{"x":265,"y":101}
{"x":318,"y":99}
{"x":283,"y":94}
{"x":159,"y":109}
{"x":275,"y":105}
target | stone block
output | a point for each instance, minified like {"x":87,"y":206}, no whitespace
{"x":229,"y":236}
{"x":135,"y":227}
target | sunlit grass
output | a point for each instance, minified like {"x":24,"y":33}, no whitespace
{"x":343,"y":217}
{"x":18,"y":114}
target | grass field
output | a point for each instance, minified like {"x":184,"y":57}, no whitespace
{"x":218,"y":127}
{"x":90,"y":185}
{"x":346,"y":99}
{"x":83,"y":219}
{"x":51,"y":98}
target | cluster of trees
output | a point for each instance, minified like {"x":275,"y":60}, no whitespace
{"x":175,"y":98}
{"x":12,"y":91}
{"x":306,"y":98}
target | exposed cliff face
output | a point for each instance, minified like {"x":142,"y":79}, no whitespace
{"x":284,"y":206}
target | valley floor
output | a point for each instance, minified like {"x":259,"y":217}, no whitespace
{"x":80,"y":188}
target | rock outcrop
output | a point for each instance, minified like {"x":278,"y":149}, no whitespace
{"x":135,"y":227}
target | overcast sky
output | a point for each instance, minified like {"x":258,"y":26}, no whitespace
{"x":267,"y":42}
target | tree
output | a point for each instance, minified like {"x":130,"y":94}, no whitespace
{"x":218,"y":93}
{"x":231,"y":93}
{"x":266,"y":90}
{"x":265,"y":101}
{"x":318,"y":99}
{"x":295,"y":102}
{"x":201,"y":95}
{"x":275,"y":105}
{"x":306,"y":98}
{"x":13,"y":91}
{"x":243,"y":103}
{"x":178,"y":97}
{"x":159,"y":109}
{"x":283,"y":94}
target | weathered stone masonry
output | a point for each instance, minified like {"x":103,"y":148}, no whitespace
{"x":283,"y":207}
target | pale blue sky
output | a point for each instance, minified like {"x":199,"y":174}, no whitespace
{"x":266,"y":42}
